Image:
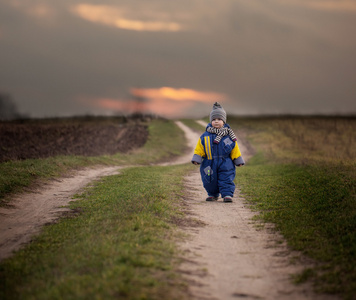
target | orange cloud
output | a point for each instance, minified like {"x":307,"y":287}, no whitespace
{"x":169,"y":108}
{"x":177,"y":94}
{"x":120,"y":105}
{"x":165,"y":101}
{"x":161,"y":107}
{"x":115,"y":17}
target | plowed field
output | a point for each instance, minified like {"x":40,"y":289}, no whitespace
{"x":45,"y":138}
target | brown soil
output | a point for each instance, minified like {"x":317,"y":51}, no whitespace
{"x":29,"y":211}
{"x":24,"y":140}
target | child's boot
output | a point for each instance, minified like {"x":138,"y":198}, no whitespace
{"x":227,"y":199}
{"x":211,"y":198}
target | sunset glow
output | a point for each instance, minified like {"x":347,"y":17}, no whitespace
{"x":178,"y":94}
{"x":115,"y":17}
{"x":155,"y":106}
{"x":164,"y":101}
{"x":120,"y":105}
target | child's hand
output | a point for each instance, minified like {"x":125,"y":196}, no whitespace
{"x":194,"y":162}
{"x":239,"y":165}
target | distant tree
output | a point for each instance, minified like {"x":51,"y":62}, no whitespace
{"x":8,"y":109}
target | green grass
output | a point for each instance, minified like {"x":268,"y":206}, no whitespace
{"x":165,"y":141}
{"x":193,"y":125}
{"x":303,"y":180}
{"x":120,"y":244}
{"x":314,"y":208}
{"x":302,"y":139}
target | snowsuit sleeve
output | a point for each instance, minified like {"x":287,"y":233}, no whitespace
{"x":236,"y":155}
{"x":199,"y":153}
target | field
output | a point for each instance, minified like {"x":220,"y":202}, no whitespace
{"x":37,"y":150}
{"x":303,"y":139}
{"x":125,"y":222}
{"x":78,"y":136}
{"x":302,"y":179}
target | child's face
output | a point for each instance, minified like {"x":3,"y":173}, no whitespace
{"x":217,"y":123}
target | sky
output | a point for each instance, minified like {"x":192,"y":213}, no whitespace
{"x":176,"y":58}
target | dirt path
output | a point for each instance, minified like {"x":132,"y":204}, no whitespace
{"x":230,"y":257}
{"x":33,"y":210}
{"x":227,"y":258}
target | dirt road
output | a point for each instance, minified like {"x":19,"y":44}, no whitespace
{"x":230,"y":257}
{"x":33,"y":210}
{"x":44,"y":205}
{"x":227,"y":258}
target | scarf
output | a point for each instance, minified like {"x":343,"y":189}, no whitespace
{"x":221,"y":132}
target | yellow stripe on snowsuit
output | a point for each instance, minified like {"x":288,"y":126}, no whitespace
{"x":207,"y":147}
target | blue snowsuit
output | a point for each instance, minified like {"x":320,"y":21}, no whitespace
{"x":218,"y":161}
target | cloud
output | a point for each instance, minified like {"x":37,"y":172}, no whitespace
{"x":120,"y":105}
{"x":181,"y":94}
{"x":265,"y":56}
{"x":327,"y":5}
{"x":164,"y":101}
{"x":41,"y":11}
{"x":117,"y":17}
{"x":36,"y":10}
{"x":338,"y":5}
{"x":161,"y":107}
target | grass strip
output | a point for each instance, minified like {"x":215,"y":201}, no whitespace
{"x":194,"y":125}
{"x":303,"y":180}
{"x":314,"y":208}
{"x":165,"y":141}
{"x":120,"y":244}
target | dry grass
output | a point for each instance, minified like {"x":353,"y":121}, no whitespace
{"x":321,"y":139}
{"x":303,"y":179}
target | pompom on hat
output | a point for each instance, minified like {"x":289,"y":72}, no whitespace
{"x":218,"y":112}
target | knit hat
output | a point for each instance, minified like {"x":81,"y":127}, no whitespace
{"x":218,"y":112}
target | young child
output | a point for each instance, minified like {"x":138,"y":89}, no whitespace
{"x":218,"y":153}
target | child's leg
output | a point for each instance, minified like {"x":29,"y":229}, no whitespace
{"x":210,"y":181}
{"x":212,"y":188}
{"x":226,"y":183}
